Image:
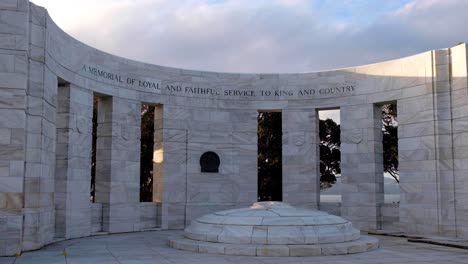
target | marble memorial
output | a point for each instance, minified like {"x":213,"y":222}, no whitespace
{"x":273,"y":229}
{"x":47,"y":84}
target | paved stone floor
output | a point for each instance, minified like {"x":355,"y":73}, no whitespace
{"x":150,"y":247}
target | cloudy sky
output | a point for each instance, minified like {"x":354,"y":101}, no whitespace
{"x":263,"y":35}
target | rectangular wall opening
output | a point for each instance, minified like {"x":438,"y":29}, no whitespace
{"x":93,"y":149}
{"x":146,"y":153}
{"x":269,"y":156}
{"x":96,"y":207}
{"x":390,"y":153}
{"x":330,"y":156}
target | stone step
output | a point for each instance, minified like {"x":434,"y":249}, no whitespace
{"x":363,"y":244}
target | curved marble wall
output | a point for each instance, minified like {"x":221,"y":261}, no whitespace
{"x":48,"y":80}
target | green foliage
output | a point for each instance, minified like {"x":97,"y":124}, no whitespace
{"x":330,"y":154}
{"x":93,"y":150}
{"x":269,"y":156}
{"x":147,"y":146}
{"x":390,"y":140}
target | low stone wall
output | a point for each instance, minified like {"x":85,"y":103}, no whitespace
{"x":149,"y":216}
{"x":96,"y":218}
{"x":389,"y":213}
{"x":331,"y":208}
{"x":390,"y":216}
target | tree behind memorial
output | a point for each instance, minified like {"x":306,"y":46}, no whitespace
{"x":330,"y":153}
{"x":390,"y":140}
{"x":146,"y":156}
{"x":269,"y":156}
{"x":329,"y":133}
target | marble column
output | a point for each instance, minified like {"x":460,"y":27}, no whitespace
{"x":158,"y":159}
{"x":13,"y":114}
{"x":301,"y":172}
{"x":169,"y":169}
{"x":361,"y":165}
{"x":73,"y":162}
{"x":459,"y":104}
{"x":39,"y":187}
{"x":117,"y":163}
{"x":444,"y":143}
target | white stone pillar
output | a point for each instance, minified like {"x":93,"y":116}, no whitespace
{"x":444,"y":143}
{"x":158,"y":159}
{"x":118,"y":163}
{"x":232,"y":135}
{"x":417,"y":165}
{"x":14,"y":46}
{"x":361,"y":165}
{"x":425,"y":145}
{"x":459,"y":103}
{"x":39,"y":215}
{"x":73,"y":164}
{"x":301,"y":171}
{"x":170,"y":165}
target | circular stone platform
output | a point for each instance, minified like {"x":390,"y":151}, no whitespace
{"x":273,"y":229}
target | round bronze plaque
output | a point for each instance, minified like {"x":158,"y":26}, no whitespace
{"x":209,"y":162}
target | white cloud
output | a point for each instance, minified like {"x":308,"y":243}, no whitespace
{"x":257,"y":36}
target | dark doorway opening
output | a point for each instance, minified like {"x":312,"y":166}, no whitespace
{"x":270,"y":147}
{"x":146,"y":154}
{"x":330,"y":155}
{"x":391,"y":175}
{"x":93,"y":149}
